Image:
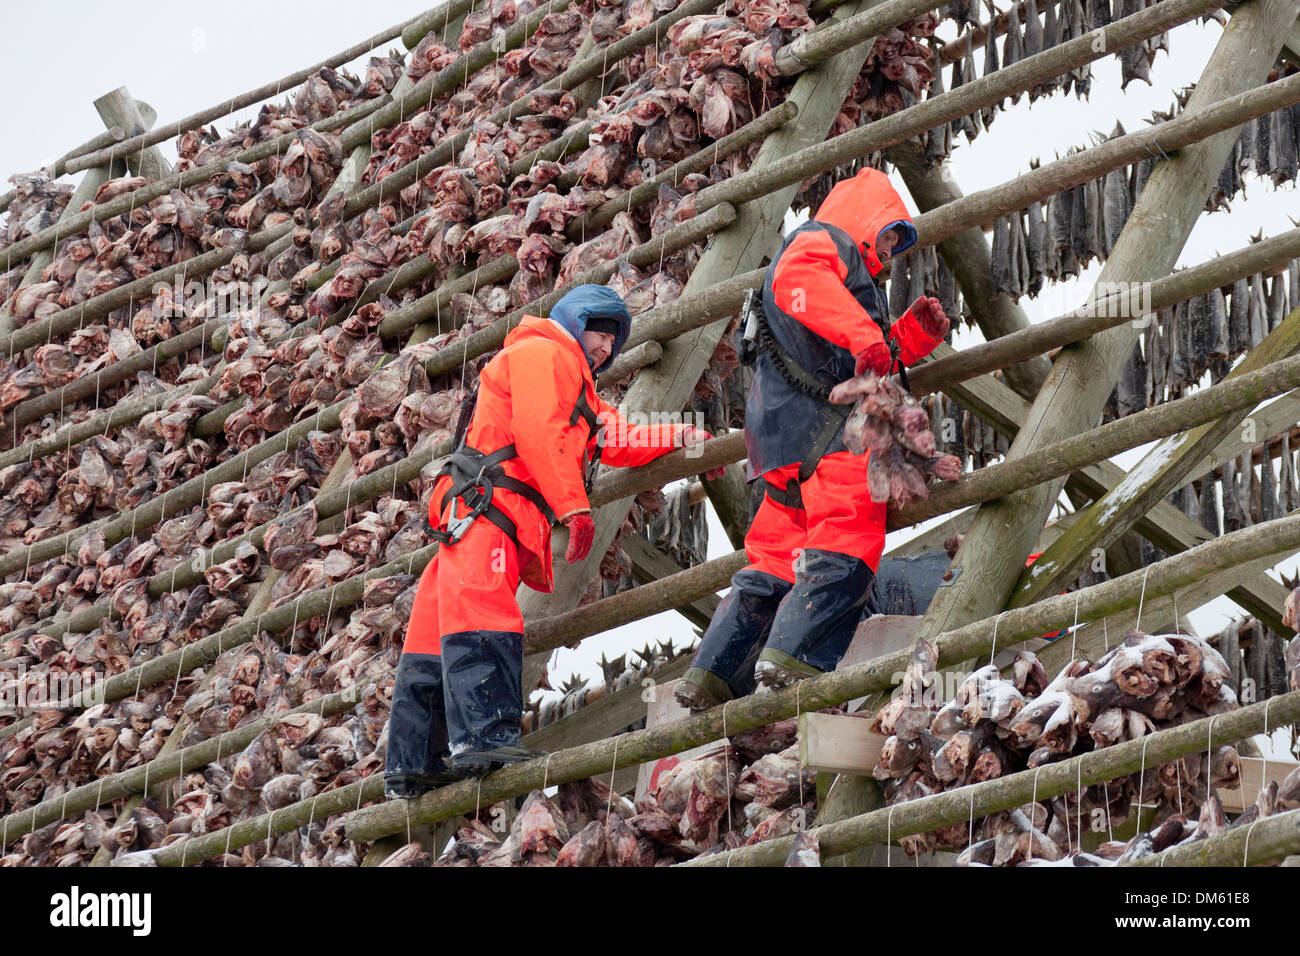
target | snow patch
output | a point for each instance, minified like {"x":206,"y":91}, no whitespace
{"x":1145,"y":470}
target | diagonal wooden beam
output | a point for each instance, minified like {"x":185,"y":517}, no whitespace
{"x":1083,"y":376}
{"x":1163,"y":469}
{"x":1164,"y":525}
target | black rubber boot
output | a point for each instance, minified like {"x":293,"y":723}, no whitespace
{"x":484,"y":674}
{"x":724,"y":664}
{"x":816,"y":623}
{"x":476,"y":763}
{"x":417,"y":729}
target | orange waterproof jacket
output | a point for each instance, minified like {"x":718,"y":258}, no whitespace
{"x":824,"y":307}
{"x":527,"y":395}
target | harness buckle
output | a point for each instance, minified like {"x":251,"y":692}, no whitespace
{"x":457,"y":526}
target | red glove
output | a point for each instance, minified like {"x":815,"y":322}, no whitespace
{"x":582,"y":533}
{"x":875,"y":358}
{"x":929,"y":316}
{"x":693,"y":436}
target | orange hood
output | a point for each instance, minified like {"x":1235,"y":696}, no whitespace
{"x":864,"y":207}
{"x":532,"y":326}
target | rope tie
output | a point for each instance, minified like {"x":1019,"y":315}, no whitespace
{"x":1141,"y":599}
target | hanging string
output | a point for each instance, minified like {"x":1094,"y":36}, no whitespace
{"x":1141,"y":598}
{"x":993,"y":652}
{"x":1110,"y":830}
{"x":1142,"y":770}
{"x":1033,"y":802}
{"x":1074,"y":631}
{"x":726,"y":761}
{"x":970,"y":825}
{"x":609,"y":802}
{"x":889,"y":836}
{"x":797,"y":712}
{"x":1245,"y":851}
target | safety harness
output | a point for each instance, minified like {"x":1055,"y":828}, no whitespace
{"x":477,"y":474}
{"x":757,"y":338}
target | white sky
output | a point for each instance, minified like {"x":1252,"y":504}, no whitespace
{"x":182,"y":58}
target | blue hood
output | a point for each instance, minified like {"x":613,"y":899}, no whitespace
{"x":592,"y":301}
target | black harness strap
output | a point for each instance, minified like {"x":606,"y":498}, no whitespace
{"x":790,"y":495}
{"x":476,"y":475}
{"x":806,"y":382}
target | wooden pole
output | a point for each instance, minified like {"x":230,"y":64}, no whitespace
{"x":226,"y":107}
{"x":328,"y":419}
{"x":751,"y":712}
{"x":1201,"y":122}
{"x":1049,"y":780}
{"x":1269,"y":840}
{"x":730,"y":497}
{"x":119,"y":109}
{"x":184,"y":496}
{"x":40,"y":405}
{"x":1165,"y":526}
{"x":503,"y":268}
{"x":993,"y":554}
{"x":692,"y":584}
{"x":111,"y":135}
{"x":145,"y":194}
{"x":439,"y":18}
{"x":493,"y":336}
{"x":823,"y":42}
{"x":84,"y":192}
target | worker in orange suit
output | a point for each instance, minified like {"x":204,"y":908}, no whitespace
{"x":817,"y":538}
{"x":537,"y":427}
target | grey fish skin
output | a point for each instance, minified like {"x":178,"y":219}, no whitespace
{"x":1282,"y":147}
{"x":1247,"y":158}
{"x":1276,"y":303}
{"x":1114,"y":205}
{"x":938,"y":142}
{"x":1012,"y":44}
{"x":1196,"y":340}
{"x":1033,"y":32}
{"x":988,"y":113}
{"x":1000,"y":254}
{"x":1079,"y":222}
{"x":1263,"y":146}
{"x":1239,"y":319}
{"x":1021,"y":263}
{"x":1059,"y":214}
{"x":1268,"y":503}
{"x":1039,"y":256}
{"x":1096,"y":225}
{"x":1217,"y":319}
{"x":1258,"y":311}
{"x":970,"y":123}
{"x":900,"y":284}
